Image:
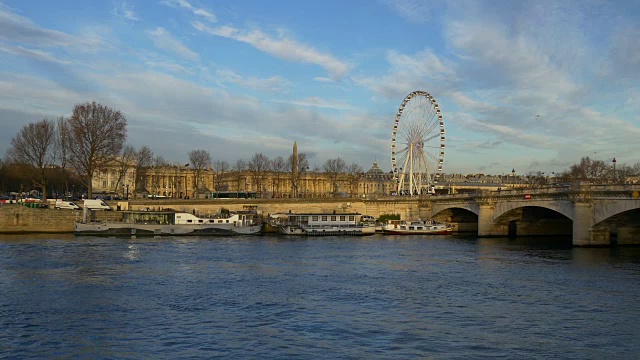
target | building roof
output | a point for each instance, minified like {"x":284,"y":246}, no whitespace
{"x":375,"y":170}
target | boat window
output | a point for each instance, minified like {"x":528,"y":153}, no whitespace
{"x":342,"y":218}
{"x":200,"y":221}
{"x":189,"y":220}
{"x":333,"y":218}
{"x":314,"y":218}
{"x":305,"y":218}
{"x":352,"y":218}
{"x":324,"y":218}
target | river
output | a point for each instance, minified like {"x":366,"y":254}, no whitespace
{"x":377,"y":297}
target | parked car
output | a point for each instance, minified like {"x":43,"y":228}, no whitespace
{"x":367,"y":218}
{"x":61,"y":204}
{"x":96,"y":205}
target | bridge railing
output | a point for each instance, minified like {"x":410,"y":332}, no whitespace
{"x":574,"y":188}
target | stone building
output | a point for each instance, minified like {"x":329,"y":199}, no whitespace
{"x":171,"y":181}
{"x":178,"y":182}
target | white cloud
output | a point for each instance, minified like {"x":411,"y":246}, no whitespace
{"x":170,"y":66}
{"x":125,"y":11}
{"x":32,"y":94}
{"x":15,"y":28}
{"x":32,"y":53}
{"x":209,"y":16}
{"x":314,"y":101}
{"x":323,"y":79}
{"x":416,"y":11}
{"x":281,"y":47}
{"x":164,"y":40}
{"x":272,"y":84}
{"x":411,"y":72}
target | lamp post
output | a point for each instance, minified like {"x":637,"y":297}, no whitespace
{"x":126,"y":196}
{"x":614,"y":170}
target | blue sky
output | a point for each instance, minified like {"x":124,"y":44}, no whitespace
{"x":530,"y":85}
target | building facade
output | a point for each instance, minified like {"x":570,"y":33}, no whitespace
{"x":179,"y":182}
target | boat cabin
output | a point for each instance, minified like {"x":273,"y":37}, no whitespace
{"x":183,"y":218}
{"x":330,"y":219}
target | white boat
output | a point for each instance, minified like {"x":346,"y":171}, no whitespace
{"x":321,"y":224}
{"x":420,"y":227}
{"x":156,"y":223}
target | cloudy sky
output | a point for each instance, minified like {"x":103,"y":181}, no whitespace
{"x":530,"y":85}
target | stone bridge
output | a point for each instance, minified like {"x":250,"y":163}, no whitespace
{"x":593,"y":214}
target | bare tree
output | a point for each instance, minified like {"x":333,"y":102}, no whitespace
{"x":537,"y":179}
{"x":333,"y":168}
{"x":221,"y":168}
{"x":590,"y":170}
{"x":96,"y":136}
{"x":159,"y":163}
{"x":354,"y":175}
{"x":315,"y":178}
{"x":124,"y":164}
{"x":238,"y":168}
{"x":62,"y":149}
{"x":278,"y":167}
{"x":144,"y":160}
{"x":200,"y":160}
{"x":297,"y":170}
{"x":34,"y":145}
{"x":622,"y":173}
{"x":257,"y":166}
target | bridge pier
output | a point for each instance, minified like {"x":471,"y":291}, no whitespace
{"x":485,"y":220}
{"x":584,"y":234}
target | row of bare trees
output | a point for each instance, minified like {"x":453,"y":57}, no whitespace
{"x":590,"y":170}
{"x":92,"y":137}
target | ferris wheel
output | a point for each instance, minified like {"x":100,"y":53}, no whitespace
{"x":417,"y":144}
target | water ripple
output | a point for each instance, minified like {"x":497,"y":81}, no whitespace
{"x":349,"y":298}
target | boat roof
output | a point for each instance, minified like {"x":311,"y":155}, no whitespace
{"x":312,"y":214}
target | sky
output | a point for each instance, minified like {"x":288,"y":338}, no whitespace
{"x":525,"y":85}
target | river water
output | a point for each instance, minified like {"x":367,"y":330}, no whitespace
{"x":378,"y":297}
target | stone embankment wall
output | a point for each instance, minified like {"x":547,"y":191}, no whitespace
{"x":406,"y":208}
{"x":20,"y":219}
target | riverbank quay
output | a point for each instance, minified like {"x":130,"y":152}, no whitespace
{"x":17,"y":219}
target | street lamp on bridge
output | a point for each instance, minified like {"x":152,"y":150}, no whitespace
{"x":614,"y":169}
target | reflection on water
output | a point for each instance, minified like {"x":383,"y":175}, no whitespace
{"x":274,"y":297}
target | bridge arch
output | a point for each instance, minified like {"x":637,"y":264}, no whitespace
{"x":563,"y":207}
{"x":469,"y":206}
{"x":609,"y":208}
